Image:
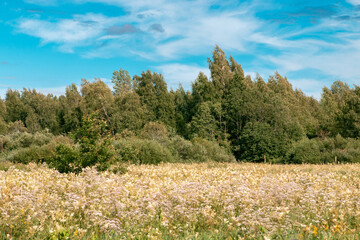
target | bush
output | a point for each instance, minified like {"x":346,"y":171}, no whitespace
{"x":327,"y":150}
{"x":33,"y":153}
{"x":304,"y":151}
{"x":182,"y":150}
{"x":92,"y":148}
{"x":211,"y":151}
{"x":176,"y":149}
{"x":142,"y":151}
{"x":66,"y":159}
{"x":17,"y":140}
{"x":155,"y":131}
{"x":259,"y":141}
{"x":36,"y":153}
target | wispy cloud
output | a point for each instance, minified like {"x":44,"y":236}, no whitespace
{"x":160,"y":30}
{"x":119,"y":30}
{"x":42,"y":2}
{"x":4,"y":63}
{"x":183,"y":74}
{"x":173,"y":28}
{"x":81,"y":30}
{"x":56,"y":91}
{"x":354,"y":2}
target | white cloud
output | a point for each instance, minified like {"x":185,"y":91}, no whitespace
{"x":183,"y":74}
{"x":187,"y":27}
{"x":192,"y":29}
{"x":43,"y":2}
{"x":56,"y":91}
{"x":78,"y":31}
{"x":354,"y":2}
{"x":311,"y":87}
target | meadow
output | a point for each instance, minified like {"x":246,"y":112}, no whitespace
{"x":182,"y":201}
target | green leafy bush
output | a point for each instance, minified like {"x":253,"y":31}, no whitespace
{"x":142,"y":151}
{"x":176,"y":149}
{"x":92,"y":148}
{"x":211,"y":151}
{"x":304,"y":151}
{"x":17,"y":140}
{"x":259,"y":141}
{"x":36,"y":153}
{"x":327,"y":150}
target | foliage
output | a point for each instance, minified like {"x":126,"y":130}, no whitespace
{"x":92,"y":148}
{"x":257,"y":119}
{"x":154,"y":131}
{"x":260,"y":143}
{"x":328,"y":150}
{"x":142,"y":151}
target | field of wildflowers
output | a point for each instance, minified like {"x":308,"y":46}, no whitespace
{"x":182,"y":201}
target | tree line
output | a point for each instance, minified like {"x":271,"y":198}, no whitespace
{"x":255,"y":120}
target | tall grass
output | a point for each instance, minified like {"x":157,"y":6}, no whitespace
{"x":183,"y":201}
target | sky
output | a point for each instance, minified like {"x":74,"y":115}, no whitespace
{"x":49,"y":44}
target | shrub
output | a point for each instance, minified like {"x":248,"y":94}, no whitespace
{"x":17,"y":140}
{"x":142,"y":151}
{"x":327,"y":150}
{"x":206,"y":150}
{"x":92,"y":148}
{"x":259,"y":141}
{"x":33,"y":153}
{"x":182,"y":150}
{"x":154,"y":131}
{"x":304,"y":151}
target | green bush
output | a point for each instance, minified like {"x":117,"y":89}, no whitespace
{"x":36,"y":153}
{"x":92,"y":148}
{"x":182,"y":150}
{"x":260,"y":141}
{"x":33,"y":153}
{"x":66,"y":159}
{"x":17,"y":140}
{"x":210,"y":151}
{"x":175,"y":149}
{"x":304,"y":151}
{"x":327,"y":150}
{"x":142,"y":151}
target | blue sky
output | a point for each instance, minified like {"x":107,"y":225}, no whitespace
{"x":49,"y":44}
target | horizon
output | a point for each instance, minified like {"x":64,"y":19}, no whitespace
{"x":48,"y":44}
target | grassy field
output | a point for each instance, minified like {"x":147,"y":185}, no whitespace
{"x":182,"y":201}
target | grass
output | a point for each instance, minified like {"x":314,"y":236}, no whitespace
{"x":182,"y":201}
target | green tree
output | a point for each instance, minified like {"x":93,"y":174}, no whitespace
{"x":93,"y":147}
{"x":72,"y":110}
{"x":15,"y":109}
{"x":348,"y":119}
{"x":204,"y":124}
{"x":123,"y":83}
{"x":97,"y":97}
{"x":152,"y":89}
{"x":259,"y":142}
{"x":129,"y":113}
{"x":3,"y":125}
{"x":183,"y":110}
{"x":220,"y":70}
{"x":42,"y":112}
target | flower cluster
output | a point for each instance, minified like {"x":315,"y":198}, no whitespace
{"x":238,"y":201}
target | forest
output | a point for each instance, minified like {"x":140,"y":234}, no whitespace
{"x":226,"y":117}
